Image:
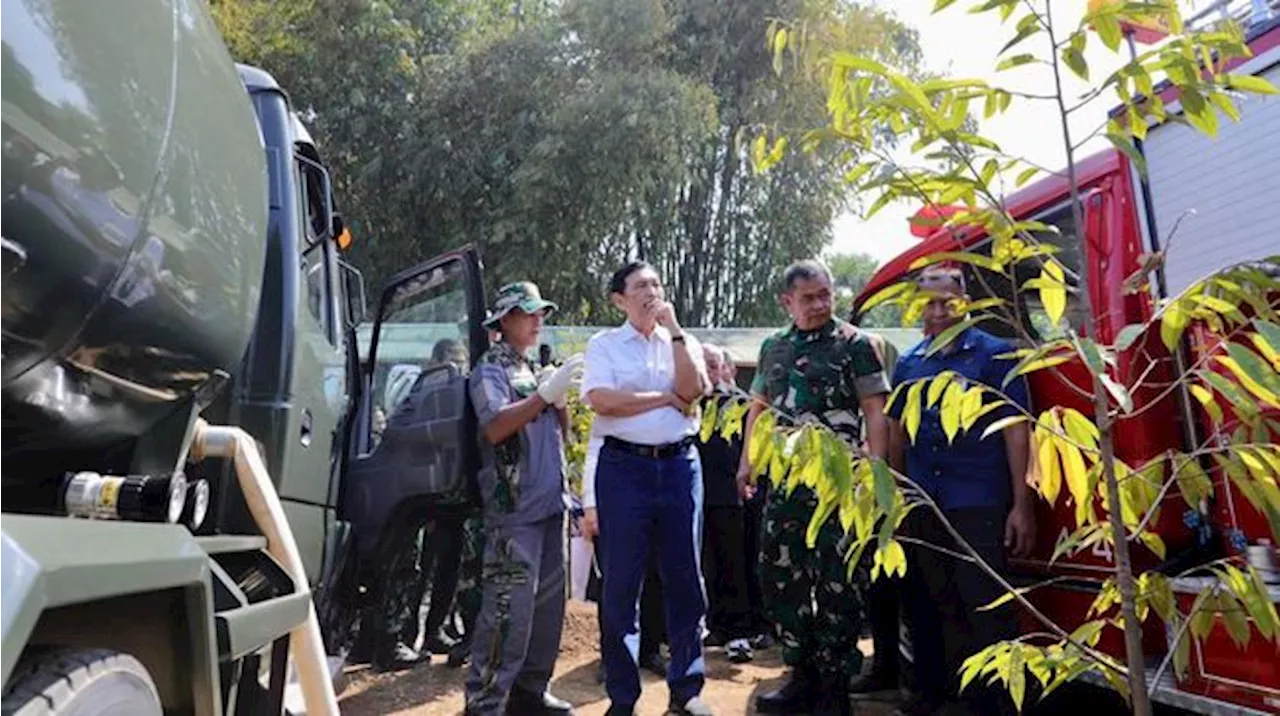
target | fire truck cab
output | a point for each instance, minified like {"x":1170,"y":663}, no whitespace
{"x":1221,"y":193}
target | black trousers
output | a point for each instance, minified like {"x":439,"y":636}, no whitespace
{"x":752,"y":531}
{"x":724,"y":568}
{"x":883,"y":613}
{"x":653,"y":621}
{"x":445,"y":541}
{"x":943,"y":595}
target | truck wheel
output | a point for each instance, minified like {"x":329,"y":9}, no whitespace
{"x":81,"y":682}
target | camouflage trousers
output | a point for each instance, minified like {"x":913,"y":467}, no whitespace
{"x":468,"y":599}
{"x":806,"y":593}
{"x":517,"y":635}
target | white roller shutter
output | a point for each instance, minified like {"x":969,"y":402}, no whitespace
{"x":1232,"y":182}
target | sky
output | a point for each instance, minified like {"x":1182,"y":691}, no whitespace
{"x":962,"y":45}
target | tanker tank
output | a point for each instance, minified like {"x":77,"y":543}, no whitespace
{"x":134,"y":229}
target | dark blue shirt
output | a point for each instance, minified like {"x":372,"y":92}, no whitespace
{"x":970,"y":472}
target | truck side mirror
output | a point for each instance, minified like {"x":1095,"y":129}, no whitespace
{"x":319,"y":200}
{"x":353,"y":293}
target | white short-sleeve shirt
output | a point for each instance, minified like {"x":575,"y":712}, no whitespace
{"x":622,"y":358}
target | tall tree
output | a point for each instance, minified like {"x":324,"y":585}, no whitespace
{"x":563,"y":140}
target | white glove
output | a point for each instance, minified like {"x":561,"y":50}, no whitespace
{"x":555,"y":389}
{"x":543,"y":375}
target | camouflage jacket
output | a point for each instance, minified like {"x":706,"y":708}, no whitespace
{"x":821,"y":375}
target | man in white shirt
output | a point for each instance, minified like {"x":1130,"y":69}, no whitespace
{"x":641,"y":379}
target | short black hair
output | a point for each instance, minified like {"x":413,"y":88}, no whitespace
{"x":805,"y":270}
{"x":618,"y":282}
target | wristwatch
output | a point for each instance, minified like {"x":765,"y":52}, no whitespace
{"x":677,"y":338}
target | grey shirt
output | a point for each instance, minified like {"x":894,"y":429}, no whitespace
{"x":522,"y":478}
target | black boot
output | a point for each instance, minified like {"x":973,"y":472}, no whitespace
{"x":527,"y":703}
{"x":834,"y":701}
{"x":459,"y":655}
{"x":401,"y":657}
{"x":798,"y":695}
{"x":880,"y":684}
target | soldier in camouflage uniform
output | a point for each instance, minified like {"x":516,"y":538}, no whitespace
{"x":517,"y":635}
{"x":467,"y":601}
{"x":820,"y":370}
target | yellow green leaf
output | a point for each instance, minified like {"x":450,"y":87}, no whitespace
{"x":1251,"y":83}
{"x":708,"y":420}
{"x":779,"y":47}
{"x":1079,"y":428}
{"x":1210,"y":405}
{"x":1050,"y":470}
{"x":761,"y":446}
{"x":1153,"y":542}
{"x":888,"y":293}
{"x":1172,"y":324}
{"x":911,"y":412}
{"x":1193,"y":482}
{"x":1053,"y":291}
{"x":950,"y":410}
{"x":937,"y":386}
{"x":1074,"y":472}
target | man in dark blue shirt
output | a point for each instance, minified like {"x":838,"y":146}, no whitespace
{"x":981,"y":487}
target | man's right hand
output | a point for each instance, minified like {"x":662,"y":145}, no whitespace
{"x":590,"y":523}
{"x":746,"y":487}
{"x":554,"y":388}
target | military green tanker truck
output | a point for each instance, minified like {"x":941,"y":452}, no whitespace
{"x":193,"y":506}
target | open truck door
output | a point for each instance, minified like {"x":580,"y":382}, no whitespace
{"x":411,"y":451}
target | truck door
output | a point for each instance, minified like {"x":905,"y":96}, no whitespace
{"x":415,"y":435}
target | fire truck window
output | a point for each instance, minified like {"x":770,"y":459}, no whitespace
{"x":1025,"y":309}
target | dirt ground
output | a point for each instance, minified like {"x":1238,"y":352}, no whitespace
{"x":436,"y":690}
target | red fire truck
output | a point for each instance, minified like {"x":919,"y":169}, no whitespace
{"x":1232,"y":184}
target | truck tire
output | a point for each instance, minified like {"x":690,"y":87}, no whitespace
{"x":80,"y":682}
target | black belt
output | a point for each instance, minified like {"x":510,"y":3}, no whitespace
{"x":656,"y":452}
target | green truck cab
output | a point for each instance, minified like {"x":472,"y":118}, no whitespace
{"x":172,"y":260}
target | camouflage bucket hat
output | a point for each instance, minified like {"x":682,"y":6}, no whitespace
{"x":523,"y":295}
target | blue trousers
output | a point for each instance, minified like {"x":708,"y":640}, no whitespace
{"x":650,"y":504}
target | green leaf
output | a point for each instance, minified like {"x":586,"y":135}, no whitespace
{"x":1250,"y":83}
{"x":1120,"y":393}
{"x":979,"y":260}
{"x":1128,"y":335}
{"x":884,"y":483}
{"x":1089,"y":632}
{"x":1205,"y":396}
{"x":1182,"y":655}
{"x":1025,"y":175}
{"x":940,"y":5}
{"x":888,"y":293}
{"x":1024,"y":31}
{"x":1193,"y":482}
{"x":1034,"y":363}
{"x":1003,"y":423}
{"x":1122,"y":143}
{"x":1256,"y":374}
{"x":1074,"y":59}
{"x":944,"y":339}
{"x":1109,"y":31}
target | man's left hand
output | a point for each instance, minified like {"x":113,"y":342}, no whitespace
{"x":1020,"y":530}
